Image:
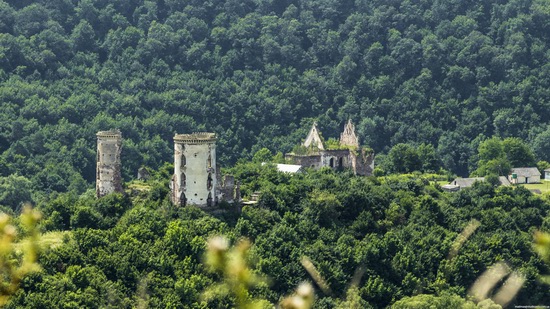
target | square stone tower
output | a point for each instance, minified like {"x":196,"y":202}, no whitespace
{"x":109,"y":147}
{"x":194,"y":181}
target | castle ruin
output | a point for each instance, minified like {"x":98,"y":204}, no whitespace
{"x":347,"y":154}
{"x":108,"y":176}
{"x":197,"y":178}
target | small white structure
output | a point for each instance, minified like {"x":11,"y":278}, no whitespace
{"x":289,"y":168}
{"x":547,"y":174}
{"x":461,"y":183}
{"x":466,"y":182}
{"x":524,"y":175}
{"x":450,"y":188}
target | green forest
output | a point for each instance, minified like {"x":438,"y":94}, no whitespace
{"x":398,"y":232}
{"x":442,"y":87}
{"x":449,"y":74}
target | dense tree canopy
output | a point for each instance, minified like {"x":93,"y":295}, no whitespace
{"x":399,"y":232}
{"x":443,"y":73}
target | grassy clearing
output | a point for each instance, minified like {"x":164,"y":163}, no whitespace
{"x":139,"y":186}
{"x":441,"y":182}
{"x":544,"y":186}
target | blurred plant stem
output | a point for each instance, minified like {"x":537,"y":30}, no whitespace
{"x":14,"y":270}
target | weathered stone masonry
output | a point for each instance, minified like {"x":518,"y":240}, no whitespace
{"x":108,"y":175}
{"x":194,"y":181}
{"x":350,"y":156}
{"x":197,"y":178}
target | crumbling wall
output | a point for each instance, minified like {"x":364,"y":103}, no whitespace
{"x":363,"y":163}
{"x":228,"y":188}
{"x":336,"y":159}
{"x":313,"y":161}
{"x":177,"y":184}
{"x":348,"y":137}
{"x":143,"y":174}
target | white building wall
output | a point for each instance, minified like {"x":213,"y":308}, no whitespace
{"x":521,"y":179}
{"x":197,"y":170}
{"x":534,"y":179}
{"x":194,"y":181}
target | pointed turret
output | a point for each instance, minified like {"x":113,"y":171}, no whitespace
{"x":348,"y":137}
{"x":313,"y":138}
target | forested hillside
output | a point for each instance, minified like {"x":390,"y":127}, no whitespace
{"x":459,"y":85}
{"x":257,"y":72}
{"x":399,"y":233}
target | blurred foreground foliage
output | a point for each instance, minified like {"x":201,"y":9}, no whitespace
{"x":18,"y":254}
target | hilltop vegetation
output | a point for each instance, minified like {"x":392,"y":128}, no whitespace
{"x":447,"y":74}
{"x":398,"y":231}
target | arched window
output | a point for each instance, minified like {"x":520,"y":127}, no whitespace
{"x":183,"y":199}
{"x":183,"y":180}
{"x":209,"y":182}
{"x":209,"y":162}
{"x":341,"y":162}
{"x":183,"y":160}
{"x":209,"y":199}
{"x":331,"y":162}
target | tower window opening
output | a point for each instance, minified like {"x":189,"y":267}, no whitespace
{"x":209,"y":200}
{"x":183,"y":200}
{"x":209,"y":182}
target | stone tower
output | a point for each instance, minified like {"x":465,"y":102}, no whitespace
{"x":194,"y":181}
{"x":108,"y":179}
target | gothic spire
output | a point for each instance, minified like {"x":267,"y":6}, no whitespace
{"x":313,"y":138}
{"x":348,"y":137}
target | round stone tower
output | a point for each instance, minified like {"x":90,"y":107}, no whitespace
{"x":108,"y":179}
{"x":194,"y":181}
